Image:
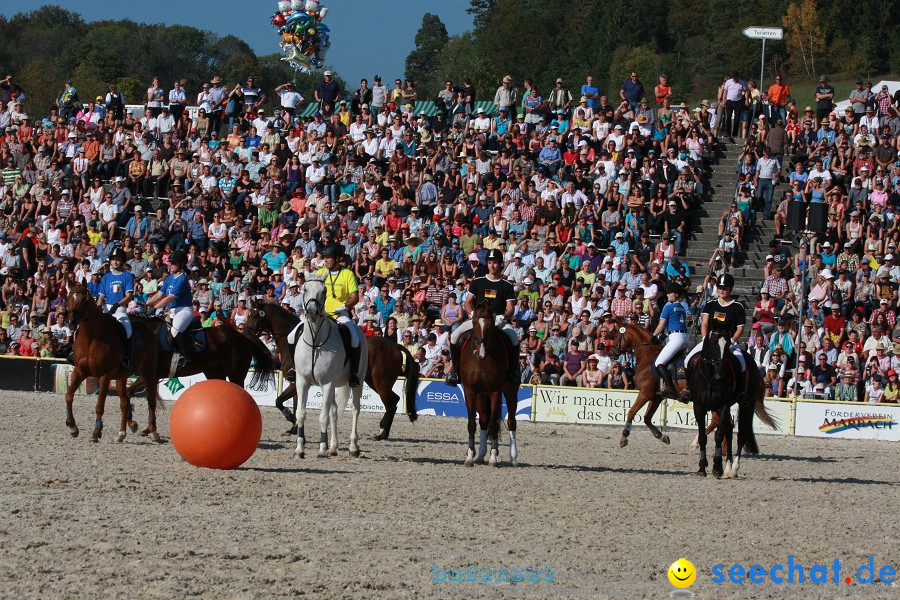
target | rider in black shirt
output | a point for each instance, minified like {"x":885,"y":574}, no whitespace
{"x":501,"y":295}
{"x":725,"y":316}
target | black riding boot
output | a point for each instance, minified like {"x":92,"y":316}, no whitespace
{"x":353,"y":362}
{"x":453,"y":376}
{"x":127,"y":351}
{"x":666,"y":376}
{"x":184,"y":343}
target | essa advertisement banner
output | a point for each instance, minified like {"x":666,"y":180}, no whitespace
{"x":584,"y":405}
{"x":854,"y":421}
{"x":681,"y":416}
{"x":436,"y":398}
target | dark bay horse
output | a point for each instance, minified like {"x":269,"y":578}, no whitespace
{"x":712,"y":383}
{"x":647,"y":383}
{"x":484,"y":373}
{"x":228,"y":355}
{"x":388,"y":360}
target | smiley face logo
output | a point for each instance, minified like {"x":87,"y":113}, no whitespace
{"x":682,"y":573}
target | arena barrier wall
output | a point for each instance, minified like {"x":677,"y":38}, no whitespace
{"x":541,"y":404}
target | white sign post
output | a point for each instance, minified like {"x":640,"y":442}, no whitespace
{"x":763,"y":33}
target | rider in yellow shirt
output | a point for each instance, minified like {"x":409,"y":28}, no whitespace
{"x":341,"y":295}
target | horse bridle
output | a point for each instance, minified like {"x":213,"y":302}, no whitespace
{"x":621,"y":338}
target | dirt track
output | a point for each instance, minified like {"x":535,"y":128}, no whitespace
{"x":134,"y":520}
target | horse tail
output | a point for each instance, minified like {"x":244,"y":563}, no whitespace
{"x":412,"y":383}
{"x":745,"y":425}
{"x":764,"y":415}
{"x":264,"y":362}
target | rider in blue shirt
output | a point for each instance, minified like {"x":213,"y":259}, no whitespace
{"x":115,"y":291}
{"x":672,"y":320}
{"x":176,"y":294}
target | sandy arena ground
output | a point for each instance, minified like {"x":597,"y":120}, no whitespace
{"x":133,"y":520}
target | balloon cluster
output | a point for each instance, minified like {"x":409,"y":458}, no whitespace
{"x":304,"y":39}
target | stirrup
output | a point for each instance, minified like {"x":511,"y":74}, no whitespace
{"x":685,"y":396}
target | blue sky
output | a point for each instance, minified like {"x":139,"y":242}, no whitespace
{"x":367,"y":36}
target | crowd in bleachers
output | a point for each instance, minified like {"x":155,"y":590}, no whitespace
{"x":845,"y":344}
{"x":588,"y":194}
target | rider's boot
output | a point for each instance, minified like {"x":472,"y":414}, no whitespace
{"x":666,"y":376}
{"x":453,"y":375}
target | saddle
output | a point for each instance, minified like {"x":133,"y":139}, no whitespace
{"x":345,"y":338}
{"x":679,"y":369}
{"x":195,"y":333}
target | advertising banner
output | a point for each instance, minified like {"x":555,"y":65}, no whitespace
{"x":171,"y":389}
{"x":844,"y":420}
{"x":681,"y":416}
{"x":439,"y":399}
{"x":582,"y":405}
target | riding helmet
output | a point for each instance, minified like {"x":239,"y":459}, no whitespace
{"x":675,"y":288}
{"x":178,"y":258}
{"x":725,"y":280}
{"x":335,"y":251}
{"x":495,"y":254}
{"x":118,"y":253}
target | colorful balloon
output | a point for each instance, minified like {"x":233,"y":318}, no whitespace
{"x":304,"y":39}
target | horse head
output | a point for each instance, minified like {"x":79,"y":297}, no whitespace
{"x":714,"y":356}
{"x":314,"y":298}
{"x":257,"y":317}
{"x":629,"y":336}
{"x":77,"y":304}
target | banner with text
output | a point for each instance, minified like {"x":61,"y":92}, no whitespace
{"x":843,"y":420}
{"x":583,"y":405}
{"x":681,"y":416}
{"x":439,"y":399}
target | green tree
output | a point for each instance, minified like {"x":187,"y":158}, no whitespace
{"x":421,"y":64}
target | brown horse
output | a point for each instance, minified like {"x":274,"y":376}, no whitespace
{"x":97,"y":353}
{"x":386,"y":364}
{"x":645,"y":351}
{"x":484,"y":373}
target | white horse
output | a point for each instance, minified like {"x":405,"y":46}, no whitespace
{"x":320,"y":359}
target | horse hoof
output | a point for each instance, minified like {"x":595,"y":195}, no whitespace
{"x":479,"y":460}
{"x":291,"y":431}
{"x":299,"y":454}
{"x":120,"y":437}
{"x":154,"y":437}
{"x":98,"y":433}
{"x":322,"y":455}
{"x":513,"y":463}
{"x":694,"y":447}
{"x":701,"y":473}
{"x":381,"y":436}
{"x":73,"y":431}
{"x":332,"y":453}
{"x":354,"y":453}
{"x":623,"y":441}
{"x":468,"y":463}
{"x":717,"y":474}
{"x":665,"y":440}
{"x":133,"y":426}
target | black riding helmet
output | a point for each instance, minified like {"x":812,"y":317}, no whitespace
{"x":495,"y":254}
{"x":335,"y":251}
{"x":178,"y":258}
{"x":725,"y":281}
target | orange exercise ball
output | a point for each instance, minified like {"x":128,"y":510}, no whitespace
{"x":215,"y":424}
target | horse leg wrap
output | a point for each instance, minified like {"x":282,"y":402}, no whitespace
{"x":288,"y":413}
{"x":98,"y":424}
{"x":300,"y":433}
{"x":69,"y":414}
{"x":323,"y":438}
{"x":627,"y":431}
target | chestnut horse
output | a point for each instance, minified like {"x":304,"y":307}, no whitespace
{"x":484,"y":373}
{"x":388,"y":360}
{"x":97,"y":353}
{"x":645,"y":351}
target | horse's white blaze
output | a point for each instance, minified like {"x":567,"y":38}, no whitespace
{"x":723,"y":342}
{"x":483,"y":323}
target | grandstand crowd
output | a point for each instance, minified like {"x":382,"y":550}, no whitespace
{"x":589,"y":194}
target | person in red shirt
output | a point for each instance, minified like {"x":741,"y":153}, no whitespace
{"x":835,"y":324}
